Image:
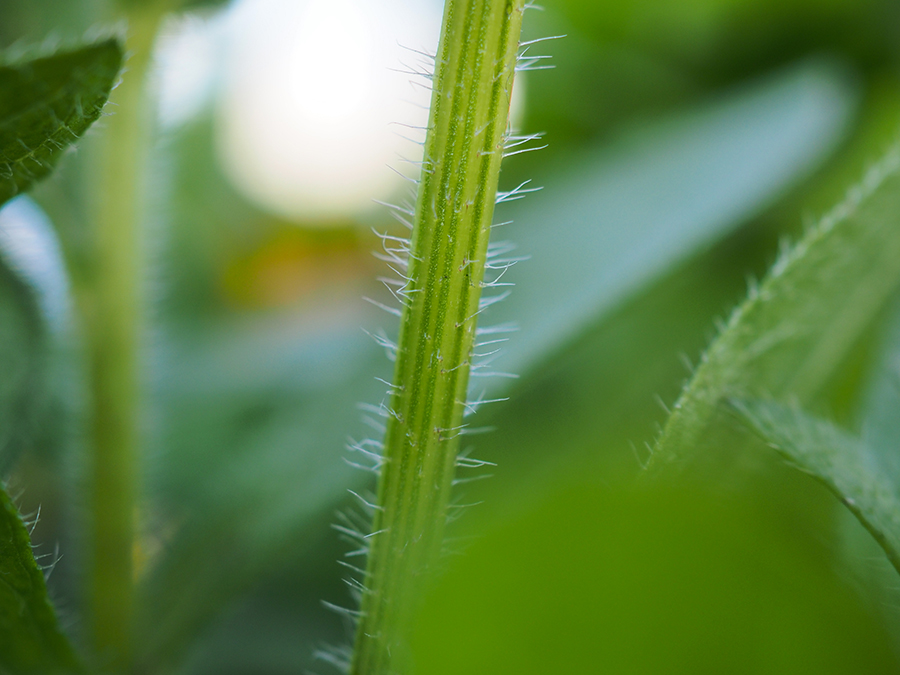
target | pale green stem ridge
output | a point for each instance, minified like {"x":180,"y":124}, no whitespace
{"x":472,"y":83}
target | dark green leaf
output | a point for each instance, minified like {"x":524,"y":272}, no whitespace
{"x":31,"y":642}
{"x":48,"y":103}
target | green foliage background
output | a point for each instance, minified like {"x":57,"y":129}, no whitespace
{"x":686,"y":140}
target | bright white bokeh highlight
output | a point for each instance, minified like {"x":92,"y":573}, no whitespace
{"x":188,"y":54}
{"x":313,"y":106}
{"x":310,"y":100}
{"x":28,"y":244}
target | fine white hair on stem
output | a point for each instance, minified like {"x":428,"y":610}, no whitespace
{"x":391,"y":386}
{"x":368,"y":450}
{"x":395,"y":311}
{"x":30,"y":520}
{"x":512,"y":143}
{"x":464,"y":460}
{"x":353,"y":614}
{"x":48,"y":569}
{"x":367,"y":503}
{"x":498,"y":329}
{"x":516,"y":193}
{"x":527,"y":62}
{"x":339,"y":657}
{"x":382,"y":340}
{"x":477,"y":372}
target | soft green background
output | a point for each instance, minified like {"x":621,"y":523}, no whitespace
{"x":686,"y":139}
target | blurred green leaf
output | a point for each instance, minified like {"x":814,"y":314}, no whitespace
{"x":881,"y":404}
{"x":46,"y":104}
{"x":259,"y":486}
{"x":794,"y":331}
{"x":632,"y":211}
{"x":22,"y":355}
{"x":31,"y":642}
{"x":880,"y":438}
{"x":34,"y":318}
{"x":846,"y":465}
{"x":728,"y":35}
{"x":669,"y":579}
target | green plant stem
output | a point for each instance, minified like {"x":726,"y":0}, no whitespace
{"x":111,"y":306}
{"x":457,"y":191}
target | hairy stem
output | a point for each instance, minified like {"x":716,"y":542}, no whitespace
{"x":472,"y":84}
{"x":110,"y":302}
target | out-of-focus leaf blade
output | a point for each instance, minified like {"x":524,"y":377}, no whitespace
{"x":600,"y":231}
{"x":34,"y":309}
{"x":48,"y":103}
{"x":793,"y":332}
{"x":842,"y":462}
{"x":615,"y":223}
{"x":626,"y":213}
{"x":881,"y":405}
{"x":880,"y":435}
{"x":272,"y":501}
{"x":22,"y":350}
{"x":667,"y":579}
{"x":31,"y":642}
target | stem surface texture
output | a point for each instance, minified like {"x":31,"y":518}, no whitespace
{"x":472,"y":85}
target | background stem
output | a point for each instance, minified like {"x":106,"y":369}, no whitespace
{"x":457,"y":190}
{"x":111,"y":305}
